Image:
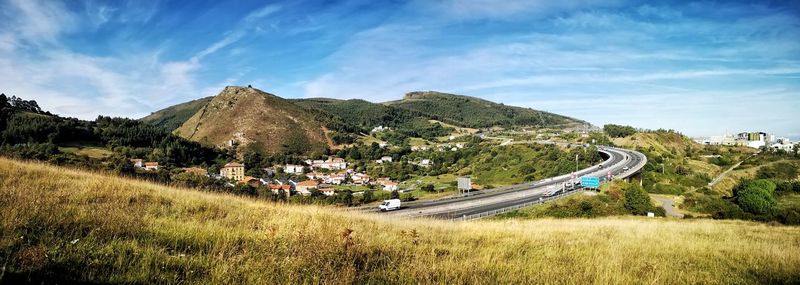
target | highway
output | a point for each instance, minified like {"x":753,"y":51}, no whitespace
{"x":464,"y":207}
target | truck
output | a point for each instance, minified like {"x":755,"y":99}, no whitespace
{"x":553,"y":192}
{"x":389,"y":205}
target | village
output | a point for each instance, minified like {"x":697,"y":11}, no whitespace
{"x":312,"y":175}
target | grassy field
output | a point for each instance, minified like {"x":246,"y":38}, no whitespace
{"x":62,"y":225}
{"x":93,"y":152}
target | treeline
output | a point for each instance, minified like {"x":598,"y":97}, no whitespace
{"x":475,"y":113}
{"x":28,"y":132}
{"x":618,"y":131}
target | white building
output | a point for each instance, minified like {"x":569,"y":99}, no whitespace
{"x":379,"y":129}
{"x":293,"y":169}
{"x":331,"y":164}
{"x":782,"y":146}
{"x":384,"y":159}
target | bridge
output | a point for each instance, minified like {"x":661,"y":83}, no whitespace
{"x":619,"y":164}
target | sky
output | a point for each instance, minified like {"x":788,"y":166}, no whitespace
{"x":699,"y":67}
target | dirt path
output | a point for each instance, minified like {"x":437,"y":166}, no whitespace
{"x":668,"y":203}
{"x":722,"y":175}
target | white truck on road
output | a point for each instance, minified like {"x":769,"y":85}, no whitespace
{"x":389,"y":205}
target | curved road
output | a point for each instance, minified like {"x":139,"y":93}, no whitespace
{"x":615,"y":165}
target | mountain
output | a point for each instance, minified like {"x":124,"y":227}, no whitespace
{"x":276,"y":125}
{"x":474,"y":112}
{"x":254,"y":118}
{"x":173,"y":117}
{"x":359,"y":115}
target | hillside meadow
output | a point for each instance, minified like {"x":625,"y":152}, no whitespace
{"x":62,"y":226}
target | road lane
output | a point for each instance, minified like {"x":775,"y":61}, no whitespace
{"x":523,"y":193}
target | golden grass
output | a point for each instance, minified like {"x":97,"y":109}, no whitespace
{"x":59,"y":224}
{"x":93,"y":152}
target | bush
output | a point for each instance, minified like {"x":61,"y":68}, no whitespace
{"x":790,"y":216}
{"x":637,"y":201}
{"x":757,"y":197}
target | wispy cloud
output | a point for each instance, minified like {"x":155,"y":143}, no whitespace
{"x":73,"y":83}
{"x":507,"y":10}
{"x":39,"y":21}
{"x":579,"y":56}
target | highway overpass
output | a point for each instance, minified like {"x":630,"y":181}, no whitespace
{"x":619,"y":164}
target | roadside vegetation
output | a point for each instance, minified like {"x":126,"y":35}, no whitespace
{"x":680,"y":167}
{"x":615,"y":199}
{"x":65,"y":226}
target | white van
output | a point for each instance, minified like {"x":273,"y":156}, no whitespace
{"x":388,"y":205}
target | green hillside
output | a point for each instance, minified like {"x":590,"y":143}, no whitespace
{"x":473,"y":112}
{"x":357,"y":115}
{"x":173,"y":117}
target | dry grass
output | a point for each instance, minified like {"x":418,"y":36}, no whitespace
{"x":66,"y":225}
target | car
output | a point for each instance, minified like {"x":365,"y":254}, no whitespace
{"x":389,"y":205}
{"x":625,"y":168}
{"x":600,"y":166}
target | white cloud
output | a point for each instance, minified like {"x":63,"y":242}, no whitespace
{"x":262,"y":12}
{"x":584,"y":59}
{"x":40,"y":20}
{"x":75,"y":84}
{"x":504,"y":10}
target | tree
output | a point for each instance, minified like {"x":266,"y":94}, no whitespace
{"x":394,"y":195}
{"x":618,"y":131}
{"x":367,"y":196}
{"x":428,"y":188}
{"x":637,"y":201}
{"x":757,"y":197}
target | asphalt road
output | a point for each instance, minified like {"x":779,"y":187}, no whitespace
{"x":617,"y":160}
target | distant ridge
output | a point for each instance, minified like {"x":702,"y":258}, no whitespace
{"x":474,"y":112}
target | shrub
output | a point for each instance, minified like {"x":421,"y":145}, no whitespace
{"x":790,"y":216}
{"x":757,"y":197}
{"x":637,"y":201}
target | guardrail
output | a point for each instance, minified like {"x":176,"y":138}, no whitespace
{"x":515,"y":207}
{"x":638,"y":167}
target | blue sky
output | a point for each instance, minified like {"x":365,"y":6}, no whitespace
{"x":700,"y":67}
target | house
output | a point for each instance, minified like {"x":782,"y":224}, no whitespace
{"x":252,"y":181}
{"x":304,"y":187}
{"x":379,"y":129}
{"x":317,"y":175}
{"x":233,"y":171}
{"x":293,"y":169}
{"x":426,"y":163}
{"x":196,"y":170}
{"x":420,"y":148}
{"x":360,"y":178}
{"x":277,"y":188}
{"x":327,"y":189}
{"x":387,"y":184}
{"x":137,"y":162}
{"x":151,"y":166}
{"x":384,"y":159}
{"x":337,"y":178}
{"x":331,"y":163}
{"x":783,"y":146}
{"x":390,"y":186}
